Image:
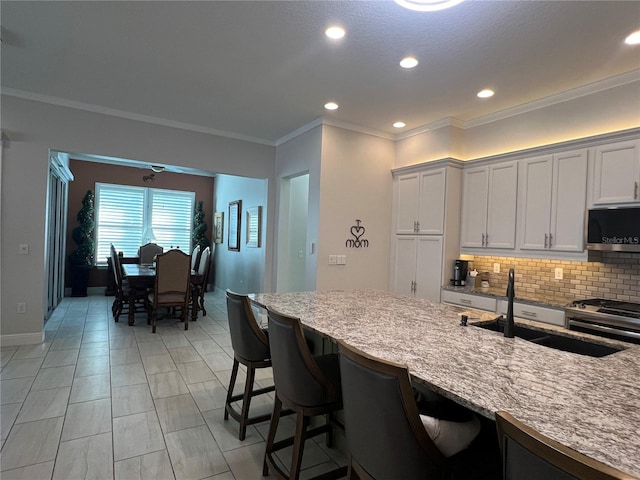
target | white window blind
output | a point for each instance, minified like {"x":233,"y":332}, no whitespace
{"x":132,"y":216}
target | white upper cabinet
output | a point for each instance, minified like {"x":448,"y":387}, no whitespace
{"x":489,"y":206}
{"x":552,"y":200}
{"x":420,"y":202}
{"x":616,"y":173}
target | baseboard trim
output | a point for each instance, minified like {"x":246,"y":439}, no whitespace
{"x":21,"y":339}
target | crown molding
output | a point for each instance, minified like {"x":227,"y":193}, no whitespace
{"x":445,"y":122}
{"x":591,"y":88}
{"x":299,"y":131}
{"x":87,"y":107}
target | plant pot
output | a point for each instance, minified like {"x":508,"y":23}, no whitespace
{"x":80,"y":280}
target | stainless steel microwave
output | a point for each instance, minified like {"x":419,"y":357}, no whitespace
{"x":614,"y":229}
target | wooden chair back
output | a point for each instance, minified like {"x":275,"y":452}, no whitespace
{"x":173,"y":272}
{"x":148,"y":251}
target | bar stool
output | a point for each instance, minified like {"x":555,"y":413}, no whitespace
{"x":251,"y":348}
{"x":307,"y":385}
{"x":385,"y":435}
{"x":526,"y":453}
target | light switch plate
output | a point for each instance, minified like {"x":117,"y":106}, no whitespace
{"x":333,"y":259}
{"x":496,"y":268}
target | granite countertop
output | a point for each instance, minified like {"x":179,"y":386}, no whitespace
{"x":552,"y":301}
{"x":589,"y":404}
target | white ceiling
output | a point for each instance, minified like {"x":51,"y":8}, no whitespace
{"x":259,"y":70}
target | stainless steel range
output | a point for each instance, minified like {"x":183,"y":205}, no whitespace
{"x":607,"y":318}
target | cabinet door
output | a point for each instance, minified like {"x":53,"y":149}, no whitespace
{"x":501,"y":210}
{"x":431,"y":202}
{"x":408,"y":189}
{"x":404,"y":267}
{"x":429,"y":268}
{"x":616,"y":173}
{"x":536,"y":202}
{"x":569,"y":200}
{"x":475,"y":183}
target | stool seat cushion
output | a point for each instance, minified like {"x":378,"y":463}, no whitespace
{"x":451,"y":437}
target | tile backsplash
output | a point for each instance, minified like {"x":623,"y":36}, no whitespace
{"x":612,"y":275}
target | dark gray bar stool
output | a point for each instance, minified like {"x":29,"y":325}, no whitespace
{"x":308,"y":385}
{"x":528,"y":454}
{"x":251,"y":348}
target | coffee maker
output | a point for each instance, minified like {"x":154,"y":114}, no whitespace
{"x":460,"y":270}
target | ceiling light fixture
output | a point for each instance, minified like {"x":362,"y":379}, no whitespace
{"x":157,"y":168}
{"x":427,"y":5}
{"x":331,"y":106}
{"x":334,"y":32}
{"x":408,"y":62}
{"x":399,"y":124}
{"x":486,"y":93}
{"x":633,"y":39}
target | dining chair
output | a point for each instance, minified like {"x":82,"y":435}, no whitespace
{"x":148,"y":251}
{"x":529,"y":455}
{"x":307,"y":385}
{"x":199,"y":284}
{"x":172,"y":286}
{"x":124,"y":291}
{"x":195,"y":257}
{"x":250,"y":345}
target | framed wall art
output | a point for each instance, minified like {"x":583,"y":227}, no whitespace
{"x":218,"y":227}
{"x":235,"y":220}
{"x":254,"y":226}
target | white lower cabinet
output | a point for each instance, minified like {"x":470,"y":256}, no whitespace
{"x":532,"y":312}
{"x":418,"y":266}
{"x":468,"y":300}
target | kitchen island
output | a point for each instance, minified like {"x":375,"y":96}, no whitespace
{"x":589,"y":404}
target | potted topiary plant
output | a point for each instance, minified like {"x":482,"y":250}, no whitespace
{"x":81,"y":259}
{"x":199,"y":228}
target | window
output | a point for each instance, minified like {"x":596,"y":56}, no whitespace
{"x":132,"y":216}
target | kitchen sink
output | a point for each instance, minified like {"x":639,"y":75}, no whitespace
{"x":559,"y":342}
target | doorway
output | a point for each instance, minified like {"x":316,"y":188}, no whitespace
{"x":293,"y":249}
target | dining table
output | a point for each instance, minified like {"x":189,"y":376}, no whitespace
{"x":141,"y":277}
{"x":588,"y":404}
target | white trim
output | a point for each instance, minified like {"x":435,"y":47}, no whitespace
{"x":595,"y":87}
{"x":605,"y":84}
{"x":445,"y":122}
{"x":21,"y":339}
{"x":87,"y":107}
{"x":299,"y":131}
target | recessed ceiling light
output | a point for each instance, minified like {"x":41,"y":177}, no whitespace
{"x":408,"y":62}
{"x":399,"y":124}
{"x":427,"y":5}
{"x":633,"y":39}
{"x":486,"y":93}
{"x":334,"y":32}
{"x":331,"y":106}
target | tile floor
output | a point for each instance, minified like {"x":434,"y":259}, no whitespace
{"x":102,"y":400}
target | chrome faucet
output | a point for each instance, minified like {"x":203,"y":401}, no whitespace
{"x":511,"y":292}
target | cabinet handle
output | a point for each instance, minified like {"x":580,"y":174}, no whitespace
{"x":417,"y":227}
{"x":465,"y":301}
{"x":486,"y":239}
{"x":483,"y":239}
{"x":531,"y":314}
{"x":550,"y":240}
{"x":635,"y":190}
{"x":545,"y":240}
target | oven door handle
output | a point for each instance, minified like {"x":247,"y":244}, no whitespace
{"x":602,"y":328}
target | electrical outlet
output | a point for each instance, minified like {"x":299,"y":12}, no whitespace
{"x":558,"y":273}
{"x":496,"y":268}
{"x":22,"y":307}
